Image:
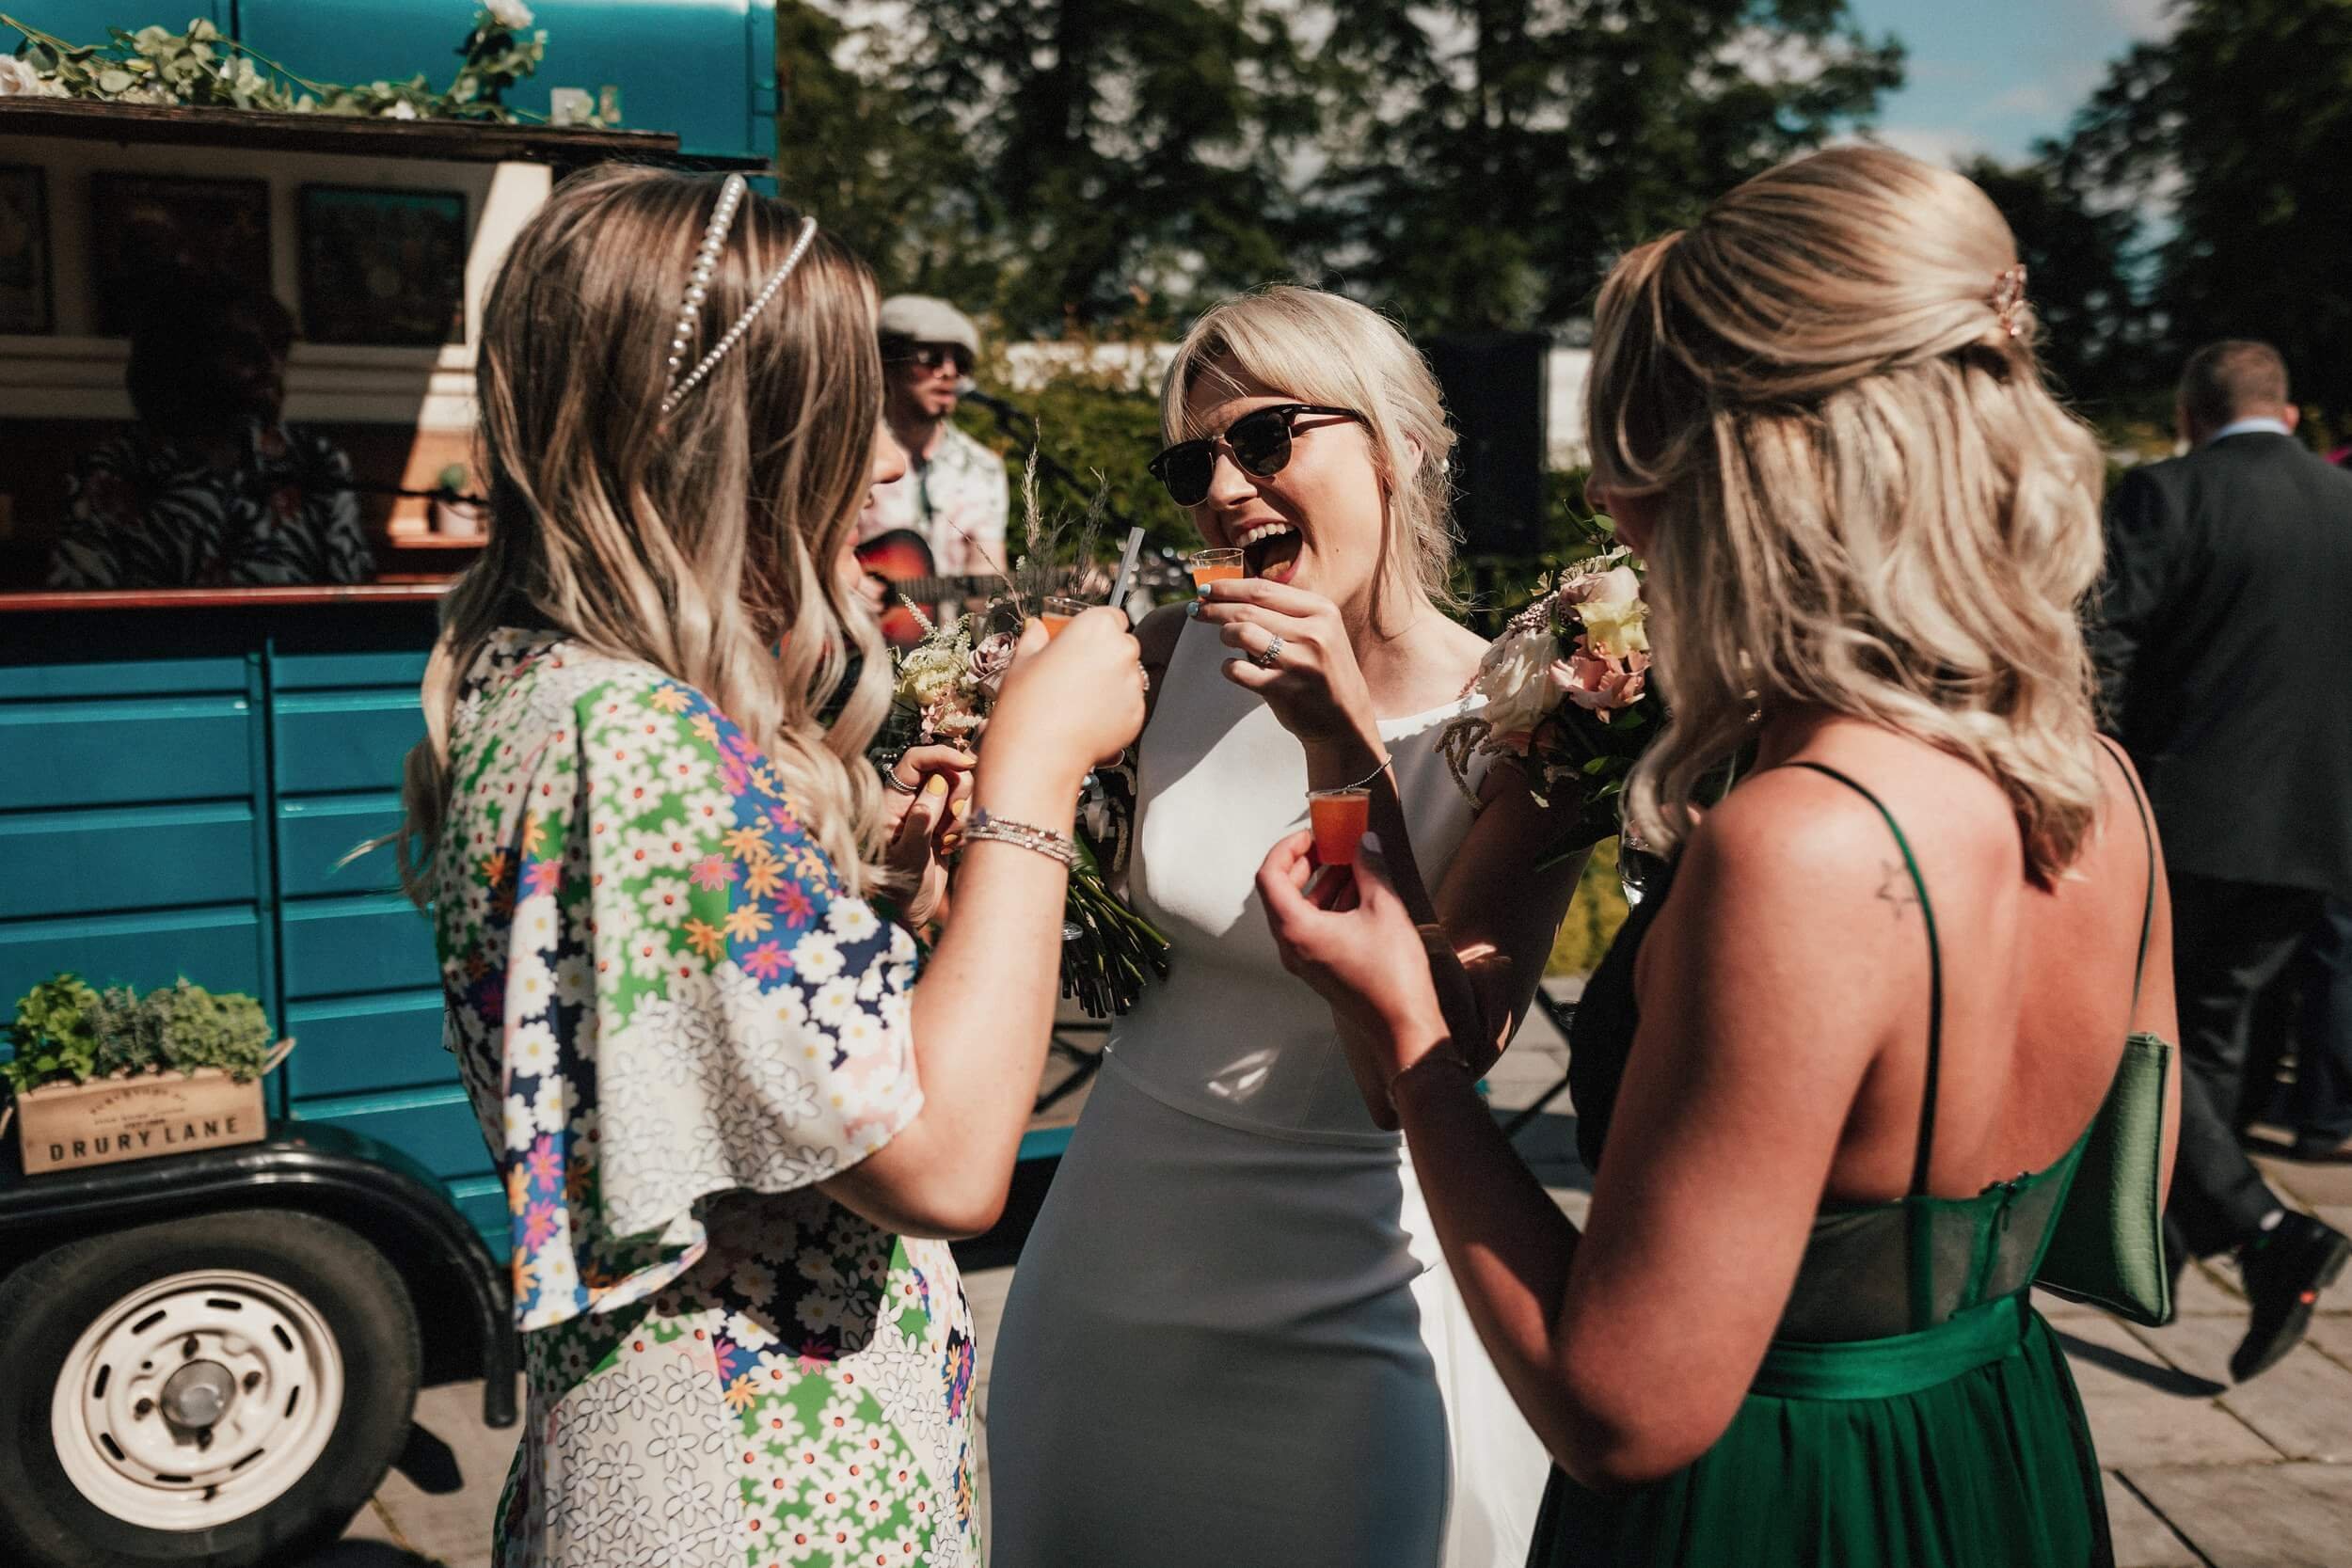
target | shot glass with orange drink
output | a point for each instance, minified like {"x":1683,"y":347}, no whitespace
{"x":1058,"y":612}
{"x":1208,"y":566}
{"x":1338,"y":818}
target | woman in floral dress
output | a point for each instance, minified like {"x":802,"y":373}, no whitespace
{"x":732,"y":1124}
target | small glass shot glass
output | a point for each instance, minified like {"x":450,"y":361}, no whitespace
{"x":1339,"y":819}
{"x":1208,"y":566}
{"x":1057,"y":612}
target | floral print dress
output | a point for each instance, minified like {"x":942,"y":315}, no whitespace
{"x":674,"y":1023}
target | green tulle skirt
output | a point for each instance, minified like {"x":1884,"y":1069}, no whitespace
{"x":1962,"y":1446}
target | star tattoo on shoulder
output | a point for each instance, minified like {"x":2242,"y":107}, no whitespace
{"x":1895,"y":889}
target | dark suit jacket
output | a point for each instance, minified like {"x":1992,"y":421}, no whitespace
{"x":2223,"y":633}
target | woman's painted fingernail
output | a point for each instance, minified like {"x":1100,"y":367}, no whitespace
{"x":936,"y":785}
{"x":961,"y":809}
{"x":1192,"y":611}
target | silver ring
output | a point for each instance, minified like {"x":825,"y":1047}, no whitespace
{"x":1273,"y":654}
{"x":890,"y":777}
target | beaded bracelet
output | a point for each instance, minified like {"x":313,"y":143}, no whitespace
{"x":1043,"y":841}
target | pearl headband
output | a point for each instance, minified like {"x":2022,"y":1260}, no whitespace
{"x":674,"y":386}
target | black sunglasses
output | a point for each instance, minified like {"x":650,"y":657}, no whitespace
{"x":932,"y":355}
{"x":1260,"y":441}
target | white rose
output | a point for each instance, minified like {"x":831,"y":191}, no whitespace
{"x":20,"y":80}
{"x":1515,"y":680}
{"x":402,"y":110}
{"x":510,"y":14}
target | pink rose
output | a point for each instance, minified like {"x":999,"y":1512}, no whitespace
{"x":1601,"y":681}
{"x":991,"y":657}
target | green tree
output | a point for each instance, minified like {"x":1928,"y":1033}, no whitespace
{"x":1127,"y":149}
{"x":1491,"y":158}
{"x":892,"y":178}
{"x":2244,"y":116}
{"x":2084,"y":270}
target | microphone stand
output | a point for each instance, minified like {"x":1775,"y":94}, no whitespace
{"x":1023,"y":427}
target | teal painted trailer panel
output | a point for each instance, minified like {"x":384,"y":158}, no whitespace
{"x":146,"y":677}
{"x":115,"y":753}
{"x":342,"y":946}
{"x":364,"y":1044}
{"x":483,"y":1200}
{"x":64,"y":863}
{"x":435,"y":1127}
{"x":86,"y":21}
{"x":219,"y":948}
{"x":315,"y":836}
{"x":327,"y":671}
{"x":339,"y":740}
{"x":680,"y":65}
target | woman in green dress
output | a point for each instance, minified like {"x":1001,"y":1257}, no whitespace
{"x":1835,"y":1076}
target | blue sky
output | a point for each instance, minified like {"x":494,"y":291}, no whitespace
{"x":1991,"y":75}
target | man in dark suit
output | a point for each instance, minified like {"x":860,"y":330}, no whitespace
{"x":2224,"y":639}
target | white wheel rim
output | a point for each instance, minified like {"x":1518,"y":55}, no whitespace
{"x":196,"y":1400}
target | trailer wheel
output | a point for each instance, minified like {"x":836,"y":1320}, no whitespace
{"x":216,"y":1391}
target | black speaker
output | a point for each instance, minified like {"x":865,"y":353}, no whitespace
{"x":1494,"y":385}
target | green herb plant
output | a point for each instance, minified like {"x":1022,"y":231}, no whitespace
{"x":53,"y":1036}
{"x":65,"y":1031}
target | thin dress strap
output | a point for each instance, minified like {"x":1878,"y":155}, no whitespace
{"x":1935,"y":982}
{"x":2147,"y":835}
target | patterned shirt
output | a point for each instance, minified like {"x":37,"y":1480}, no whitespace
{"x":674,"y":1024}
{"x":147,"y":512}
{"x":957,"y":499}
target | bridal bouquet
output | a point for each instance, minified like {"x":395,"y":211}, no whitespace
{"x":946,"y":683}
{"x":1567,"y":691}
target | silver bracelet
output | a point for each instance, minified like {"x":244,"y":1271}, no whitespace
{"x":1359,"y":783}
{"x":1043,"y":841}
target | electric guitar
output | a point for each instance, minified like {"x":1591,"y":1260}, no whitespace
{"x":902,"y":557}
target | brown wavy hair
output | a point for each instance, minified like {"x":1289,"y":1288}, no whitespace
{"x":703,"y":544}
{"x":1869,"y":500}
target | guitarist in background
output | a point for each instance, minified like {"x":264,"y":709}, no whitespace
{"x":946,"y":519}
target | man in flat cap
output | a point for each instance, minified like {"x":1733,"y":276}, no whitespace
{"x":954,"y":496}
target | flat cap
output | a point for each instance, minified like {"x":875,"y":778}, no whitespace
{"x":928,"y":320}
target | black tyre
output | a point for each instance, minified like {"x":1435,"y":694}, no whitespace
{"x":221,"y":1392}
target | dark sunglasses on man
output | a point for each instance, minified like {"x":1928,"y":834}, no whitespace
{"x":1260,"y":441}
{"x":931,"y":356}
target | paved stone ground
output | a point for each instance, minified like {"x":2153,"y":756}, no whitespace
{"x":2200,"y":1474}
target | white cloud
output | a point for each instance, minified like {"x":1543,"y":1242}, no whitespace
{"x":2030,"y":100}
{"x":2147,"y":19}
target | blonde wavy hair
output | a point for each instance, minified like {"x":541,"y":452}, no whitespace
{"x":1324,"y":348}
{"x":1869,"y":500}
{"x":703,"y":544}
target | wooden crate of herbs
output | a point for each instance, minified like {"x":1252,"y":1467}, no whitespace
{"x":102,"y":1077}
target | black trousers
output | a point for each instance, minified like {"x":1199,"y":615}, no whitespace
{"x":2323,"y":1043}
{"x":2230,"y":940}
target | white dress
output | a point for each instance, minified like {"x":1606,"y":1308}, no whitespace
{"x":1231,"y":1338}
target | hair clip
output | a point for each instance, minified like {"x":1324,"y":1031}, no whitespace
{"x":2008,"y":299}
{"x":674,"y":386}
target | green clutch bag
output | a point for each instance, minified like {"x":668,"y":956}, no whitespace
{"x":2107,"y":1246}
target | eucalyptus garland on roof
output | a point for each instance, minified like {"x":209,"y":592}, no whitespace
{"x":204,"y":70}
